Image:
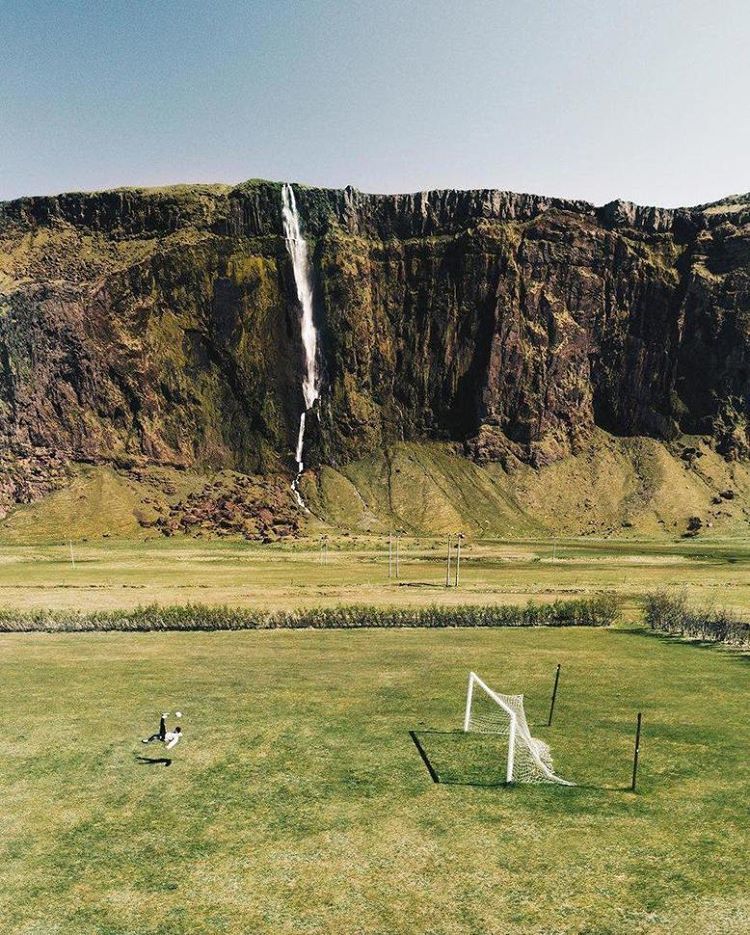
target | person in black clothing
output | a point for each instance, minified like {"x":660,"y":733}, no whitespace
{"x":169,"y":737}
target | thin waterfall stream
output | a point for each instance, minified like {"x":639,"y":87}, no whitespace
{"x":296,"y":245}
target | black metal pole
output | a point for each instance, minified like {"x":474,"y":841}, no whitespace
{"x":554,"y":696}
{"x":636,"y":751}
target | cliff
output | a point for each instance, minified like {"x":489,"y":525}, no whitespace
{"x":161,"y":327}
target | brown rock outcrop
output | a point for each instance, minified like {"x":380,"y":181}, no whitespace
{"x":161,"y":326}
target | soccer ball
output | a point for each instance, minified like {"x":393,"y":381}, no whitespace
{"x":178,"y":714}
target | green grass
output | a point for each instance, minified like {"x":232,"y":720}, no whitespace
{"x":119,"y":574}
{"x":298,"y":802}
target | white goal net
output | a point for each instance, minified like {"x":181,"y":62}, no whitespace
{"x":488,"y":712}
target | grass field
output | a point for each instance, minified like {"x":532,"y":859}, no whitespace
{"x":121,"y":573}
{"x":298,"y":802}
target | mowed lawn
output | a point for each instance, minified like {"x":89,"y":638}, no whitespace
{"x":299,"y":803}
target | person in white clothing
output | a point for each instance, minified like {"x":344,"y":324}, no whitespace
{"x":169,"y":737}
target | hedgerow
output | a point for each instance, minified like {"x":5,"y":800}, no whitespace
{"x":591,"y":612}
{"x":670,"y":613}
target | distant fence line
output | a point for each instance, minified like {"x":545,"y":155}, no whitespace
{"x":670,"y":613}
{"x":591,"y":612}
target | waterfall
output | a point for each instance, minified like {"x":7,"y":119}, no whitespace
{"x":296,"y":245}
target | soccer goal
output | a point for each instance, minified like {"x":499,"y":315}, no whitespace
{"x":488,"y":712}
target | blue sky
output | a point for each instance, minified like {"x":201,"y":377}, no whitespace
{"x":642,"y":100}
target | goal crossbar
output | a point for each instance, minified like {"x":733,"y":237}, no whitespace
{"x":529,"y":759}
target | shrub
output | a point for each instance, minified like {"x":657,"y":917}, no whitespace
{"x":591,"y":612}
{"x":670,"y":613}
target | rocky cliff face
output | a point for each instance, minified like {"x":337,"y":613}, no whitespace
{"x":161,"y":325}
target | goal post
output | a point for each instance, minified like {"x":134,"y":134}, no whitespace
{"x":469,"y":699}
{"x":511,"y":763}
{"x":489,"y":712}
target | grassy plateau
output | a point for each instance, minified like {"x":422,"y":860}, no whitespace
{"x":298,"y":801}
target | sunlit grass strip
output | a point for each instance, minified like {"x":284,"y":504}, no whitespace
{"x":592,"y":612}
{"x":670,"y":613}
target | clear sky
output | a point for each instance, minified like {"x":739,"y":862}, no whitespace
{"x":595,"y":99}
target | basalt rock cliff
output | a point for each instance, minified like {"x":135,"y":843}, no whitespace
{"x":161,"y":326}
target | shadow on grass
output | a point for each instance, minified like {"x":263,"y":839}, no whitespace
{"x":154,"y":760}
{"x":420,"y":584}
{"x":453,"y":740}
{"x":425,"y":759}
{"x":677,"y":639}
{"x":465,"y":747}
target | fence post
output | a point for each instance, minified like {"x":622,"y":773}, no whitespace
{"x":636,"y":751}
{"x":459,"y":537}
{"x":554,"y":696}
